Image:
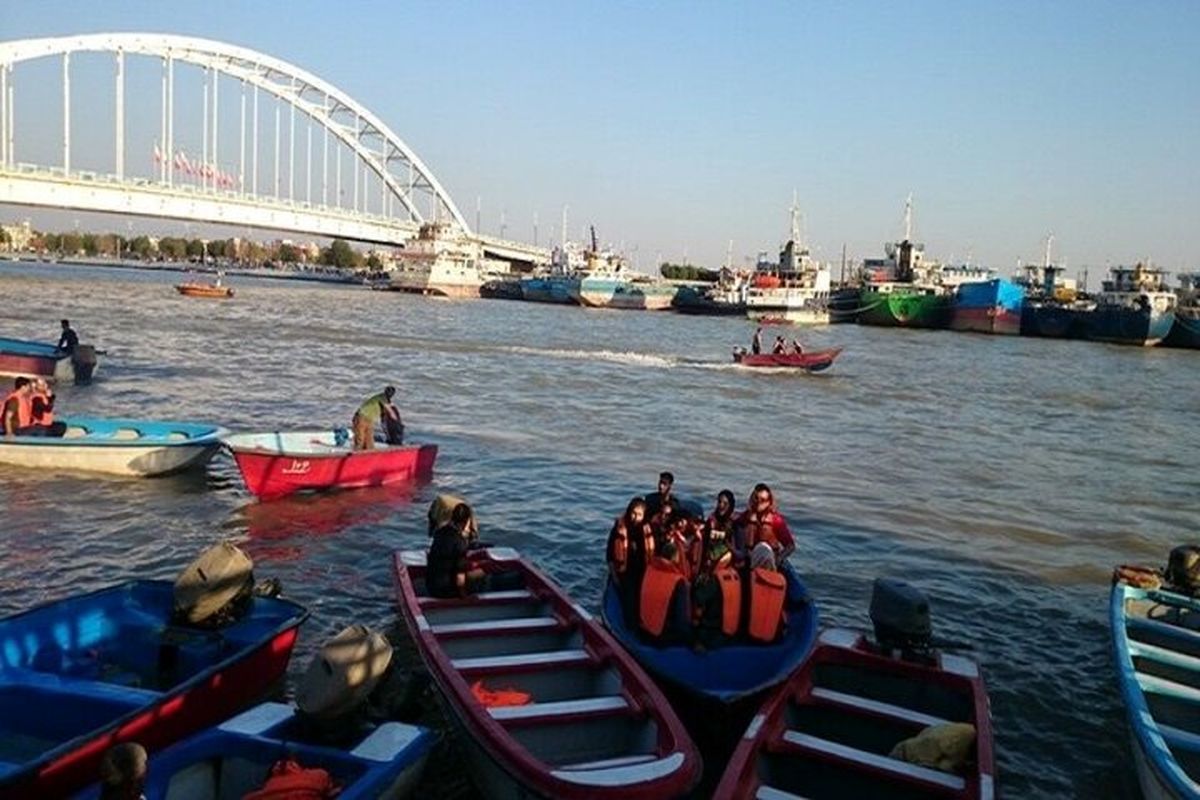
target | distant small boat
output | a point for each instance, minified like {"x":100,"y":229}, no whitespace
{"x":1156,"y":647}
{"x":812,"y":361}
{"x":213,"y":290}
{"x":385,"y":761}
{"x":21,"y":358}
{"x":592,"y":725}
{"x":131,"y":447}
{"x":283,"y":462}
{"x":83,"y":673}
{"x":723,"y":674}
{"x":830,"y":730}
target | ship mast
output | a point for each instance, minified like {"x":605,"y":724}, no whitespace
{"x":1049,"y":241}
{"x":729,"y":255}
{"x":908,"y":218}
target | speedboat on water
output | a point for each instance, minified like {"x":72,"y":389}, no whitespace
{"x":551,"y":706}
{"x":810,"y":361}
{"x":131,"y":447}
{"x":83,"y":673}
{"x":20,"y":358}
{"x":216,"y":289}
{"x":280,"y":463}
{"x":885,"y":718}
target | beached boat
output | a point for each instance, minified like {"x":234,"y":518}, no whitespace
{"x":20,"y":358}
{"x":1135,"y":307}
{"x":283,"y":462}
{"x":1156,"y":647}
{"x":133,"y":447}
{"x":726,"y":674}
{"x":811,"y":361}
{"x":593,"y":725}
{"x":81,"y":674}
{"x":234,"y":759}
{"x":830,"y":731}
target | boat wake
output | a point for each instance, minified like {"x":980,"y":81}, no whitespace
{"x":611,"y":356}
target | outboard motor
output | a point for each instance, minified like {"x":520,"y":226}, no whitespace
{"x":1183,"y":569}
{"x":333,"y":695}
{"x":900,"y":613}
{"x":215,"y":589}
{"x":84,"y":361}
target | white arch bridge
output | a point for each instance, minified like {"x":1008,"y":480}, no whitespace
{"x":363,"y":183}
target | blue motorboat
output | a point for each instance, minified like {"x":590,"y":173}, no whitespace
{"x":725,"y":674}
{"x":1156,"y":648}
{"x":81,"y":674}
{"x":130,"y":447}
{"x":236,"y":758}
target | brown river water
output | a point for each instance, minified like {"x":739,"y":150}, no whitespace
{"x":1003,"y":476}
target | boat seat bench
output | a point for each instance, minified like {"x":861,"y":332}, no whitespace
{"x":505,"y":596}
{"x":560,"y":708}
{"x":873,"y":761}
{"x":487,"y":626}
{"x":877,"y":707}
{"x":553,"y":658}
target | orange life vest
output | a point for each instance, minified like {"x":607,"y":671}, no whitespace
{"x":497,"y":698}
{"x":731,"y":600}
{"x":768,"y":590}
{"x":290,"y":781}
{"x":47,"y":416}
{"x":659,"y":583}
{"x":24,"y":408}
{"x":761,"y":530}
{"x":619,"y":550}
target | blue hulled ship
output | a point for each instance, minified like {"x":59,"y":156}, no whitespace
{"x":1052,"y":307}
{"x":1135,"y":308}
{"x":1186,"y":330}
{"x":991,"y":306}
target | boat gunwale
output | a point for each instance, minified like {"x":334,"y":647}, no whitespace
{"x":212,"y":436}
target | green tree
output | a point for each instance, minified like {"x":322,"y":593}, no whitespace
{"x":51,"y":242}
{"x":341,"y":255}
{"x":142,"y":247}
{"x":194,"y":248}
{"x":373,"y":263}
{"x":4,"y":237}
{"x":70,"y":244}
{"x":289,"y":253}
{"x":216,"y":248}
{"x":172,"y":248}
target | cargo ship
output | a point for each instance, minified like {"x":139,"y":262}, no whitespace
{"x":990,"y":306}
{"x":1186,"y":330}
{"x":903,"y":289}
{"x":442,"y":260}
{"x":1135,"y":307}
{"x":796,"y":290}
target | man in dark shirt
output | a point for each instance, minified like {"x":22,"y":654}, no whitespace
{"x":68,"y":341}
{"x":655,"y":502}
{"x":448,"y":572}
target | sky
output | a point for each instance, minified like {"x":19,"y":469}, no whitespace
{"x":676,"y":127}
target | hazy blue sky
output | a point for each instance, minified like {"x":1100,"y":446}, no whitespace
{"x":675,"y":127}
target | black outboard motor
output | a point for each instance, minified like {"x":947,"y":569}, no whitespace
{"x":900,"y":613}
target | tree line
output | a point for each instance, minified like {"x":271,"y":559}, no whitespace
{"x":688,"y":272}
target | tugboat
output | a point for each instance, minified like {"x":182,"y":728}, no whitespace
{"x":797,"y":290}
{"x":1135,"y":308}
{"x":903,"y":290}
{"x":1186,"y":330}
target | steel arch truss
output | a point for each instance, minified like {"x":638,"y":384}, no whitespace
{"x":407,"y":179}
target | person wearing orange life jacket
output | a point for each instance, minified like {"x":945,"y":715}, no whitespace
{"x":42,"y":405}
{"x":723,"y":521}
{"x":717,"y":595}
{"x":664,"y":603}
{"x":766,"y":596}
{"x":684,"y":534}
{"x":630,"y":547}
{"x":18,"y":409}
{"x":761,"y":522}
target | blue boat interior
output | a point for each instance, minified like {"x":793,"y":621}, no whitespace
{"x":726,"y":673}
{"x":93,"y":431}
{"x":77,"y":666}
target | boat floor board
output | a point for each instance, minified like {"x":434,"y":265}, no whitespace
{"x":496,"y":625}
{"x":554,"y":658}
{"x":877,"y":707}
{"x":874,"y":761}
{"x":560,"y":708}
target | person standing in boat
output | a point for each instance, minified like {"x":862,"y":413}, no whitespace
{"x":761,"y":522}
{"x":68,"y":341}
{"x":656,"y":501}
{"x":373,"y":409}
{"x":756,"y":342}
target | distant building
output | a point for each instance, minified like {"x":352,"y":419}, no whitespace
{"x":17,"y":237}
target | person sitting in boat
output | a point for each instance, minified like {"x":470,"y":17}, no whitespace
{"x":719,"y":525}
{"x":664,"y":602}
{"x":766,"y":596}
{"x":369,"y":414}
{"x":18,"y":409}
{"x":448,"y":570}
{"x":780,"y":346}
{"x":761,"y":522}
{"x":684,"y":534}
{"x":717,"y":596}
{"x":43,"y":410}
{"x":756,"y":342}
{"x":796,"y":348}
{"x":655,"y":501}
{"x":630,"y":546}
{"x":68,"y":341}
{"x":123,"y":772}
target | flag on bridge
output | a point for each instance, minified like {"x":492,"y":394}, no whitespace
{"x":157,"y":152}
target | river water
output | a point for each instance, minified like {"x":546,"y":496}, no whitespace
{"x":1004,"y":476}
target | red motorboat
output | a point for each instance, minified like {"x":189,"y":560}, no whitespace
{"x":811,"y":361}
{"x":551,"y":705}
{"x":278,"y":464}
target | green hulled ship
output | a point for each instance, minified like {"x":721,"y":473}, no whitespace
{"x":903,"y":290}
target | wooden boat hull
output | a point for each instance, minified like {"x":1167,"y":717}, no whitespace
{"x":279,"y":464}
{"x":114,"y":446}
{"x":124,"y":674}
{"x":827,"y":733}
{"x":813,"y":361}
{"x":596,"y":726}
{"x":729,"y":674}
{"x":237,"y":755}
{"x":204,"y":290}
{"x":25,"y":359}
{"x":1156,"y":642}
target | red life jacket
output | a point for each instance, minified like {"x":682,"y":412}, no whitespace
{"x":618,"y":547}
{"x":24,"y":407}
{"x":731,"y":600}
{"x":45,"y":418}
{"x":659,"y":584}
{"x":768,"y":590}
{"x":761,"y":529}
{"x":290,"y":781}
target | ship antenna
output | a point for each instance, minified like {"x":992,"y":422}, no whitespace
{"x":564,"y":226}
{"x":908,"y":218}
{"x":1049,"y":241}
{"x":729,"y":255}
{"x":796,"y":220}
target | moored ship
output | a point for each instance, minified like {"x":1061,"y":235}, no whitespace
{"x":1135,"y":307}
{"x":1185,"y":332}
{"x":607,"y":283}
{"x":991,"y":306}
{"x":1053,"y":307}
{"x":567,"y":263}
{"x":902,"y":289}
{"x":444,"y":261}
{"x":797,"y":290}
